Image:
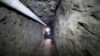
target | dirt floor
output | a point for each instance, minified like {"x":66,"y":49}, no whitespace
{"x":47,"y":48}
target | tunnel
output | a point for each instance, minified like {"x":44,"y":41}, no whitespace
{"x":61,"y":28}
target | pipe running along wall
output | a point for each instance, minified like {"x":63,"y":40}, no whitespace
{"x":16,"y":4}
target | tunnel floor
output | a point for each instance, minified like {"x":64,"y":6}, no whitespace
{"x":47,"y":48}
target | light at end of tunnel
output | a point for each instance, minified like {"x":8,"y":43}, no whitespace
{"x":47,"y":29}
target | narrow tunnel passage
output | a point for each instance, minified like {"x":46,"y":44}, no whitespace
{"x":75,"y":32}
{"x":24,"y":36}
{"x":47,"y":47}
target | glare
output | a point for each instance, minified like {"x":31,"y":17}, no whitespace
{"x":47,"y":29}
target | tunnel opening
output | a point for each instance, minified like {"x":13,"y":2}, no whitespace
{"x":49,"y":39}
{"x":49,"y":30}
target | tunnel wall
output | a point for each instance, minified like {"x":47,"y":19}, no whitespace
{"x":77,"y":28}
{"x":19,"y":35}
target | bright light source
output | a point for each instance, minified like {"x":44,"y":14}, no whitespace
{"x":48,"y":30}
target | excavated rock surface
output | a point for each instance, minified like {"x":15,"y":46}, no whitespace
{"x":77,"y":29}
{"x":43,"y":8}
{"x":19,"y":35}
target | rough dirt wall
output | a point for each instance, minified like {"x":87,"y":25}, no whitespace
{"x":77,"y":30}
{"x":19,"y":35}
{"x":45,"y":9}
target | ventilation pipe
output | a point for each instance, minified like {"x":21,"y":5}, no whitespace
{"x":16,"y":4}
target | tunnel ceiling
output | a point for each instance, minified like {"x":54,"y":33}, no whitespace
{"x":46,"y":9}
